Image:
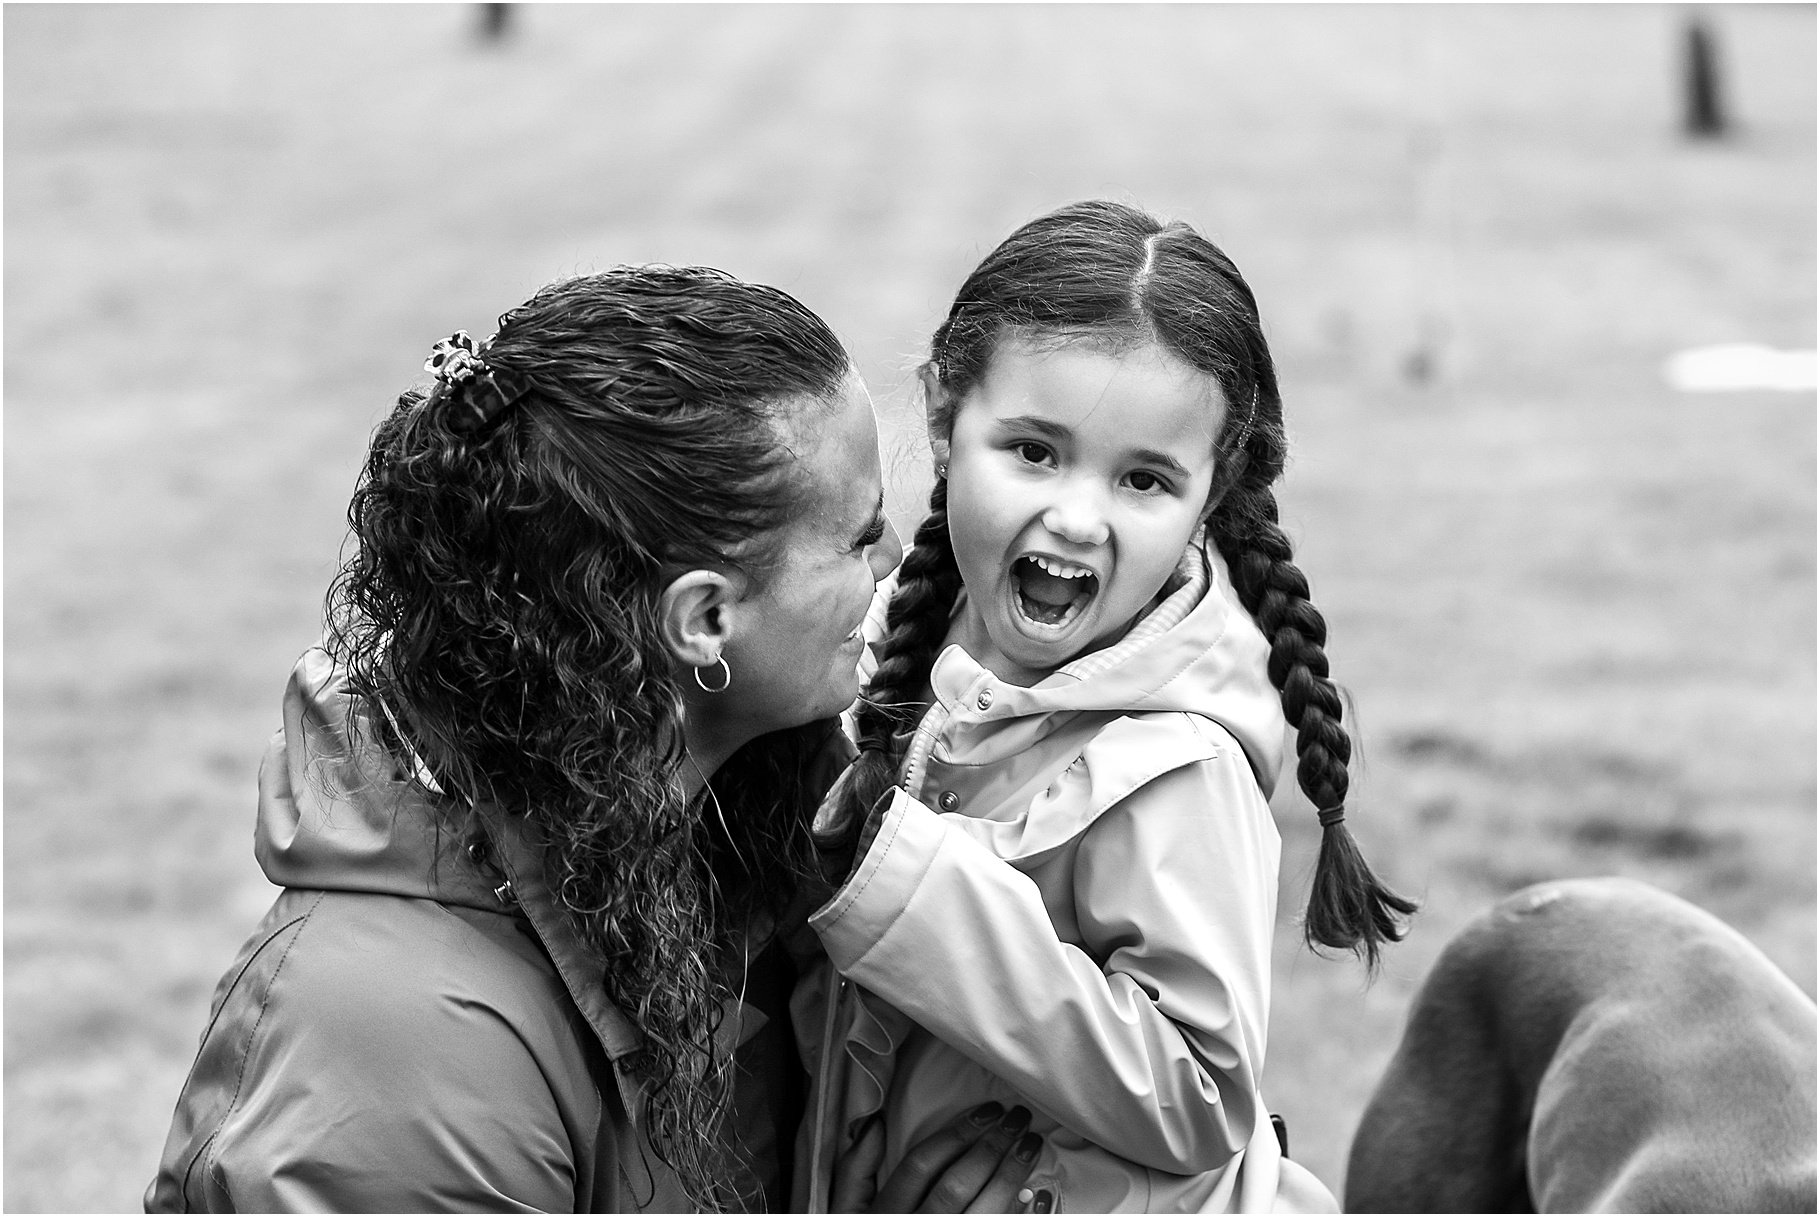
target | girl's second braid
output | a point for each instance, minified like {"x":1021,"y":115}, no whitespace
{"x":1275,"y":592}
{"x":1348,"y":908}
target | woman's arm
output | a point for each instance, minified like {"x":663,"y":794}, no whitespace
{"x":1149,"y":1040}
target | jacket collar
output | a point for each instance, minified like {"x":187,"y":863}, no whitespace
{"x":578,"y":967}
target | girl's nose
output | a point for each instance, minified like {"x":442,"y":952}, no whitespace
{"x":1077,"y":517}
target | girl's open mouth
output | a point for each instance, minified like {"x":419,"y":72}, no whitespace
{"x":1049,"y":592}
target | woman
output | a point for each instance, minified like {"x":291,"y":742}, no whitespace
{"x":540,"y":805}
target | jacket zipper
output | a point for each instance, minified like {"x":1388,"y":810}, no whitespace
{"x":821,"y":1163}
{"x":916,"y":759}
{"x":821,"y":1180}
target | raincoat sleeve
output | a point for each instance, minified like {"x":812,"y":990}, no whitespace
{"x":1147,"y":1038}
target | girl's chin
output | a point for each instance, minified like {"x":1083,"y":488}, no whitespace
{"x":1041,"y":647}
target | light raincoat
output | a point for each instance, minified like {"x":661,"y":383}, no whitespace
{"x":1070,"y":905}
{"x":398,"y":1036}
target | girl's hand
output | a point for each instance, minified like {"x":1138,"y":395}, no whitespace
{"x":976,"y":1164}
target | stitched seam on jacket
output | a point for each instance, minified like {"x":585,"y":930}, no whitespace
{"x":898,"y":913}
{"x":208,"y":1147}
{"x":1222,"y":738}
{"x":847,"y":905}
{"x":214,"y":1019}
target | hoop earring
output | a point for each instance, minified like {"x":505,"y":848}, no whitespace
{"x":726,"y":680}
{"x":941,"y":471}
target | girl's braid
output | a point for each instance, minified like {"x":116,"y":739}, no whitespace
{"x":916,"y":621}
{"x":1348,"y":907}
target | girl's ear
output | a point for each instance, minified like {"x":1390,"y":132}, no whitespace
{"x":938,"y":413}
{"x":696,"y":616}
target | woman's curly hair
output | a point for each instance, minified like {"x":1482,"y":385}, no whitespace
{"x":502,"y":603}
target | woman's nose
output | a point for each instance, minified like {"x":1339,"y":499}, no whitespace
{"x":1077,"y":516}
{"x":885,"y":553}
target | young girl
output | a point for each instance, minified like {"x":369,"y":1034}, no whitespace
{"x":1072,"y":680}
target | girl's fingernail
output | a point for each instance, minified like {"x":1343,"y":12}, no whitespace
{"x":1027,"y":1148}
{"x":1025,"y":1195}
{"x":1016,"y":1120}
{"x":985,"y":1113}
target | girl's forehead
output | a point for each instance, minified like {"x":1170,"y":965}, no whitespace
{"x":1082,"y":382}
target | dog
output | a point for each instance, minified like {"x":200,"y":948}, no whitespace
{"x":1595,"y":1045}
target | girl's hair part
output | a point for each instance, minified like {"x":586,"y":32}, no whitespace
{"x":1110,"y":275}
{"x":501,"y":600}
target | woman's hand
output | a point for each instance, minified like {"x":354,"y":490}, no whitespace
{"x":977,"y":1164}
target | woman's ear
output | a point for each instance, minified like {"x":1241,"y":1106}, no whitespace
{"x":695,"y":615}
{"x":938,"y":413}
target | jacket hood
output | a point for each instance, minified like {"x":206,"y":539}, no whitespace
{"x":1198,"y":651}
{"x":336,"y":812}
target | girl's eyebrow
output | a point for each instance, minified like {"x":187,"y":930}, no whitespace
{"x":1048,"y":428}
{"x":1162,"y":460}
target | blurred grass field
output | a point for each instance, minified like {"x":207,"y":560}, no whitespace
{"x":1575,"y":608}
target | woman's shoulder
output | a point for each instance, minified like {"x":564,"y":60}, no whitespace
{"x":361,"y":1040}
{"x":404,"y":966}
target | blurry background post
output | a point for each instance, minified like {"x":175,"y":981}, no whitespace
{"x":1705,"y":98}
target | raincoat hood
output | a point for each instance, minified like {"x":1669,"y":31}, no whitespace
{"x":336,"y":813}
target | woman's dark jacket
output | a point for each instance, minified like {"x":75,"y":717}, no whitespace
{"x":402,"y":1033}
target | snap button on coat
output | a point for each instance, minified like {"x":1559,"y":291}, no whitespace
{"x":949,"y":800}
{"x":985,"y":700}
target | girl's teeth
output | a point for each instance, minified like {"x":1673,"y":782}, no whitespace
{"x":1060,"y":570}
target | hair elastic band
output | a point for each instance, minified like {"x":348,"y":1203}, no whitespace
{"x":481,"y":394}
{"x":1235,"y":440}
{"x":1329,"y":816}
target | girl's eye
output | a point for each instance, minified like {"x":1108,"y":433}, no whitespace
{"x":875,"y":532}
{"x":1035,"y":453}
{"x":1145,"y":482}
